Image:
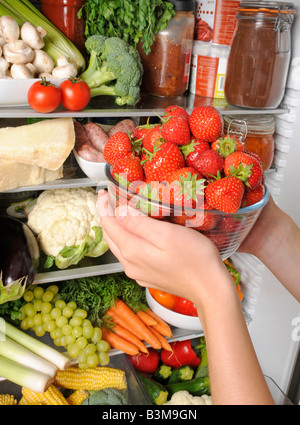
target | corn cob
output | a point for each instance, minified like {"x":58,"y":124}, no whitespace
{"x":25,"y":402}
{"x":77,"y":397}
{"x":91,"y":379}
{"x":7,"y":400}
{"x":50,"y":397}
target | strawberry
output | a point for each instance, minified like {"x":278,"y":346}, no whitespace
{"x":175,"y":110}
{"x":220,"y":240}
{"x":245,"y":166}
{"x":163,"y":160}
{"x":192,"y":150}
{"x":142,"y":130}
{"x":127,"y":170}
{"x":153,"y":191}
{"x":116,"y":147}
{"x":226,"y":145}
{"x":252,"y":196}
{"x":176,"y":129}
{"x":225,"y":194}
{"x":209,"y":163}
{"x":153,"y":138}
{"x":206,"y":123}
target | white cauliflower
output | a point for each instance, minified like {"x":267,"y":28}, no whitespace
{"x":184,"y":398}
{"x":67,"y":218}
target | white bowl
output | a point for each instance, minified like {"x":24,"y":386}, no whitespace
{"x":93,"y":170}
{"x":191,"y":323}
{"x":14,"y":92}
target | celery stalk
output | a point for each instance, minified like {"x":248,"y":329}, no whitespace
{"x":16,"y":352}
{"x":24,"y":376}
{"x":36,"y":346}
{"x":56,"y":43}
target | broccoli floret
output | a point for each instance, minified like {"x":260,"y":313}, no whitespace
{"x":114,"y":69}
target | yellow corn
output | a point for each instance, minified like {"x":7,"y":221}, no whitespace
{"x":50,"y":397}
{"x":91,"y":379}
{"x":77,"y":397}
{"x":25,"y":402}
{"x":7,"y":400}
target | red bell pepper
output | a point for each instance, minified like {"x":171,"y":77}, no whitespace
{"x":184,"y":306}
{"x":182,"y":354}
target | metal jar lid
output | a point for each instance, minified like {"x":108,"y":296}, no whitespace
{"x":183,"y":5}
{"x":254,"y":124}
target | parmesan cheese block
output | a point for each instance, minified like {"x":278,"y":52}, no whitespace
{"x":14,"y":175}
{"x":45,"y":143}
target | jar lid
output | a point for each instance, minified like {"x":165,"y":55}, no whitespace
{"x":183,"y":5}
{"x":263,"y":124}
{"x":274,"y":7}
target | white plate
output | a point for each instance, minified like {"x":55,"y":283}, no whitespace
{"x":14,"y":92}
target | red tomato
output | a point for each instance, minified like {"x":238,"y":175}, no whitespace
{"x":75,"y":94}
{"x":145,"y":362}
{"x":163,"y":298}
{"x":43,"y":96}
{"x":186,"y":307}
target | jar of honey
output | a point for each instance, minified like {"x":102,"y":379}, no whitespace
{"x":167,"y":66}
{"x":256,"y":132}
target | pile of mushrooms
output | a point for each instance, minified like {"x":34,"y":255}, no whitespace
{"x":22,"y":55}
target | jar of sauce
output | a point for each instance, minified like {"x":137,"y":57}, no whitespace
{"x":257,"y":134}
{"x":260,"y":54}
{"x":167,"y":66}
{"x":63,"y":14}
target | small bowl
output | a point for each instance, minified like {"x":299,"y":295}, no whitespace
{"x":93,"y":170}
{"x":191,"y":323}
{"x":227,"y":231}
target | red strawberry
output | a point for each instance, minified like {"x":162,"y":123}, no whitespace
{"x":206,"y":123}
{"x":226,"y":145}
{"x":142,"y":130}
{"x":209,"y":163}
{"x":127,"y":170}
{"x":153,"y":191}
{"x":192,"y":150}
{"x":245,"y":166}
{"x":252,"y":196}
{"x":175,"y":110}
{"x":221,"y":240}
{"x":162,"y":161}
{"x":176,"y":129}
{"x":116,"y":147}
{"x":225,"y":194}
{"x":152,"y":138}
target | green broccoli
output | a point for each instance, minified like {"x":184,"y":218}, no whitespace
{"x":114,"y":69}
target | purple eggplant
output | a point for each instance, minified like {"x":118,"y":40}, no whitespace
{"x":19,"y":258}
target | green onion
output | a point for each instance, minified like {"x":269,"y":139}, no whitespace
{"x":24,"y":376}
{"x":36,"y":346}
{"x":16,"y":352}
{"x":56,"y":43}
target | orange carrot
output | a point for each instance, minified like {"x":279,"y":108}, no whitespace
{"x":148,"y":320}
{"x":162,"y":339}
{"x":137,"y":326}
{"x":118,"y":320}
{"x":130,"y":337}
{"x":162,"y":327}
{"x":119,"y":343}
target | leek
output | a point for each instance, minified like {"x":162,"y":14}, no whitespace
{"x":24,"y":376}
{"x":16,"y":352}
{"x":56,"y":43}
{"x":36,"y":346}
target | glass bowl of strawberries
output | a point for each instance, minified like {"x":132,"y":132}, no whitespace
{"x":185,"y":171}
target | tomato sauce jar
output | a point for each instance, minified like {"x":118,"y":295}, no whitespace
{"x":260,"y":53}
{"x":167,"y":66}
{"x":256,"y":132}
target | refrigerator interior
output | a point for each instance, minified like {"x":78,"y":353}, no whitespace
{"x":272,"y":313}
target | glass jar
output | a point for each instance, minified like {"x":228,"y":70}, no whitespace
{"x":260,"y":54}
{"x":167,"y":66}
{"x":257,"y":134}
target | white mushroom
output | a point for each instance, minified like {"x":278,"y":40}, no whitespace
{"x":42,"y":62}
{"x":33,"y":36}
{"x":31,"y":68}
{"x":17,"y":52}
{"x":9,"y":28}
{"x":20,"y":72}
{"x":4,"y":68}
{"x":64,"y":69}
{"x":0,"y":50}
{"x":46,"y":75}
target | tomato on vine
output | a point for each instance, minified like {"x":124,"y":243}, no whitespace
{"x":75,"y":94}
{"x":43,"y":96}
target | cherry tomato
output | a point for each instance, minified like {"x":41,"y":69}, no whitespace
{"x":75,"y":94}
{"x":43,"y":96}
{"x":145,"y":362}
{"x":163,"y":298}
{"x":186,"y":307}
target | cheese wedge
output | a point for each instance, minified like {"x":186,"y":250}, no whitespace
{"x":14,"y":175}
{"x":45,"y":143}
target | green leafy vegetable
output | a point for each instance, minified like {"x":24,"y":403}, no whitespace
{"x":10,"y":311}
{"x":131,"y":20}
